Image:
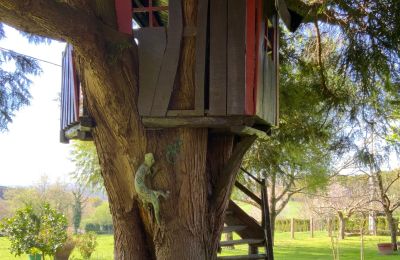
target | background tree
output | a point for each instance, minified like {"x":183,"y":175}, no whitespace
{"x":369,"y":54}
{"x":344,"y":197}
{"x":87,"y":169}
{"x":77,"y":207}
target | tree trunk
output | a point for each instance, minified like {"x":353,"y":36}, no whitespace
{"x":392,"y":228}
{"x":342,"y":225}
{"x":199,"y":177}
{"x":202,"y":173}
{"x":272,"y":220}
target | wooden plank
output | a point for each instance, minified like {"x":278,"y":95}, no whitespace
{"x":209,"y":122}
{"x":229,"y":229}
{"x":152,"y":42}
{"x":218,"y":57}
{"x":201,"y":52}
{"x":276,"y":59}
{"x":62,"y":112}
{"x":123,"y":9}
{"x":169,"y":65}
{"x":236,"y":84}
{"x":243,"y":257}
{"x":239,"y":217}
{"x":268,"y":100}
{"x":283,"y":12}
{"x":248,"y":192}
{"x":250,"y":56}
{"x":260,"y":70}
{"x":241,"y":242}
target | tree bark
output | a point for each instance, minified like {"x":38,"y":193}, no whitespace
{"x":392,"y":225}
{"x":342,"y":225}
{"x":203,"y":171}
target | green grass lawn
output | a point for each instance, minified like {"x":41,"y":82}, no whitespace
{"x":301,"y":248}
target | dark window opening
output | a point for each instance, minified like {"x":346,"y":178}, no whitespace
{"x":150,"y":13}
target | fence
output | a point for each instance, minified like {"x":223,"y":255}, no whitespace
{"x":352,"y":225}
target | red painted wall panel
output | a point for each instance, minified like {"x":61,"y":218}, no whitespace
{"x":123,"y":9}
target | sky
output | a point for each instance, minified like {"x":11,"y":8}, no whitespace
{"x":31,"y":147}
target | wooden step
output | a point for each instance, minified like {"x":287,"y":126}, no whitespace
{"x":233,"y":229}
{"x":241,"y":242}
{"x":243,"y":257}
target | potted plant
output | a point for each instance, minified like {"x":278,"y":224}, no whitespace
{"x":385,"y":248}
{"x":35,"y":254}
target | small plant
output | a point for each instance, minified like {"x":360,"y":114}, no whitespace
{"x":35,"y":232}
{"x":87,"y":244}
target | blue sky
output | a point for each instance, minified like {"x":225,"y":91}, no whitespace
{"x":31,"y":147}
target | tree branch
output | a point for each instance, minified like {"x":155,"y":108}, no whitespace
{"x":50,"y":18}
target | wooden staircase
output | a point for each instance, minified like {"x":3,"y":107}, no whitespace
{"x":251,"y":232}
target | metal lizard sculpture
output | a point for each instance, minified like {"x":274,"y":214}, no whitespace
{"x":146,"y":194}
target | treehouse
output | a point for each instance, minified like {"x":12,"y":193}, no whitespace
{"x":236,"y":65}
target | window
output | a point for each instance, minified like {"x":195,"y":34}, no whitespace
{"x":150,"y":13}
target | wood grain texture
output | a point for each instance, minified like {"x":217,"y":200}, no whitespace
{"x":284,"y":13}
{"x":218,"y":57}
{"x":250,"y":56}
{"x":169,"y":65}
{"x":236,"y":69}
{"x":201,"y":52}
{"x":260,"y":69}
{"x":152,"y":42}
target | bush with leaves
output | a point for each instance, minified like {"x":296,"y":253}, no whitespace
{"x":30,"y":231}
{"x":86,"y":244}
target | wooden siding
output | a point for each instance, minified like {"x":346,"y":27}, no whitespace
{"x":218,"y":57}
{"x":153,"y":41}
{"x":236,"y":57}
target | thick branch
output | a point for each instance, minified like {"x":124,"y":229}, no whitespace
{"x":50,"y":19}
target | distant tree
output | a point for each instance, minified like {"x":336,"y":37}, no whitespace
{"x":87,"y":168}
{"x":344,"y":197}
{"x":79,"y":201}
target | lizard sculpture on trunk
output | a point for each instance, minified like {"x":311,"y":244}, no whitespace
{"x":146,"y":194}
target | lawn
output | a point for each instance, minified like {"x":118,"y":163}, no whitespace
{"x":301,"y":248}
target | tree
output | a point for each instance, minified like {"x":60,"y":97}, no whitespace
{"x":345,"y":197}
{"x":87,"y":168}
{"x":77,"y":208}
{"x":29,"y":230}
{"x":199,"y":181}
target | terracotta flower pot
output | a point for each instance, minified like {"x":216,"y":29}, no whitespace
{"x":385,"y":248}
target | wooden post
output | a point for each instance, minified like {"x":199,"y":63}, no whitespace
{"x":292,"y":228}
{"x":312,"y":227}
{"x":266,"y":221}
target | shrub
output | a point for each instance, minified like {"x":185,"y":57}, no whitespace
{"x":29,"y":231}
{"x":86,"y":244}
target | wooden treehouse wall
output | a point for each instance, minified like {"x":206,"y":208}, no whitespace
{"x":236,"y":62}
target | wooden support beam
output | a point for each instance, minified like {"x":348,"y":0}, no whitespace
{"x":284,"y":13}
{"x":248,"y":192}
{"x":208,"y":122}
{"x":226,"y":179}
{"x":246,"y":130}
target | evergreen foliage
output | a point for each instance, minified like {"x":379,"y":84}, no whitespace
{"x":15,"y":72}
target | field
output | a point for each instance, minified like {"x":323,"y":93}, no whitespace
{"x":301,"y":248}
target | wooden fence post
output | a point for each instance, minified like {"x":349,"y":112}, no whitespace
{"x":292,"y":227}
{"x":312,"y":227}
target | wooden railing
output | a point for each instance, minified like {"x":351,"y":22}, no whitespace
{"x":263,"y":202}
